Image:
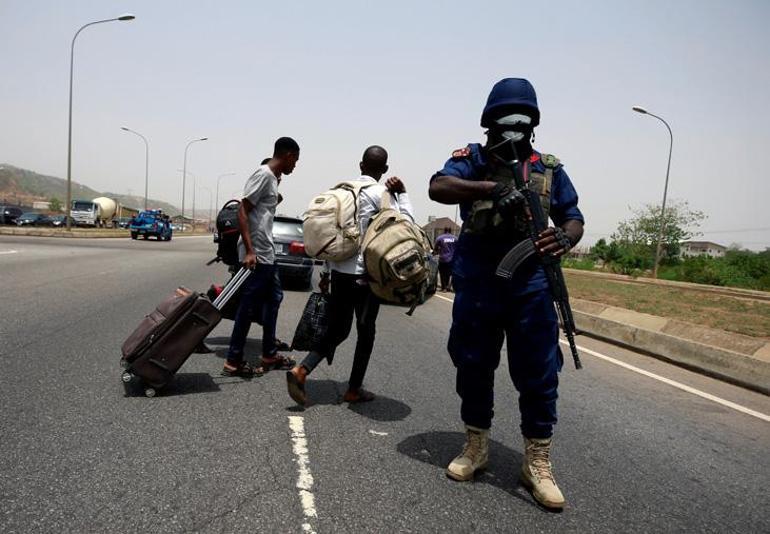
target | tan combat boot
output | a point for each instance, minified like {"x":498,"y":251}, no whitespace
{"x":537,"y":474}
{"x":474,"y":457}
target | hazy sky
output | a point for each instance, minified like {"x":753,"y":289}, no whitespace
{"x":411,"y":76}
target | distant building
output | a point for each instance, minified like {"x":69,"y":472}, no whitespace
{"x":689,"y":249}
{"x":435,"y":227}
{"x":41,"y":205}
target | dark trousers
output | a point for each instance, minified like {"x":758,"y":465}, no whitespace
{"x":350,"y":294}
{"x":485,"y":312}
{"x":445,"y":274}
{"x":259,"y":290}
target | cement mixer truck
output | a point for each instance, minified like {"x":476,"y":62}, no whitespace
{"x":101,"y":211}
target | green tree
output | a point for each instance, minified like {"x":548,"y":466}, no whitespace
{"x":600,"y":250}
{"x":638,"y":236}
{"x":55,"y":204}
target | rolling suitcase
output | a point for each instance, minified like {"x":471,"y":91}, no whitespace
{"x":164,"y":340}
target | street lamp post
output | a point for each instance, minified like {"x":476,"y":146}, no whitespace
{"x":125,"y":17}
{"x":218,"y":179}
{"x":146,"y":162}
{"x":184,"y":175}
{"x":643,"y":111}
{"x":195,"y":181}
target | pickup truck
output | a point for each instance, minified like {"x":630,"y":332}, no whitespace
{"x":151,"y":223}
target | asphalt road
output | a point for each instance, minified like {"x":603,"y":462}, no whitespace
{"x":220,"y":454}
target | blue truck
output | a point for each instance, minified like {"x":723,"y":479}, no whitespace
{"x":151,"y":223}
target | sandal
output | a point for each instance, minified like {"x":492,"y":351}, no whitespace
{"x":242,"y":369}
{"x":277,"y":361}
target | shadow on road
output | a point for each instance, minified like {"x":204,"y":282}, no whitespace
{"x":181,"y":384}
{"x":440,"y":448}
{"x":219,"y":346}
{"x":330,"y":392}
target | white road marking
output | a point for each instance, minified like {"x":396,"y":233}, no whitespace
{"x":378,"y":433}
{"x":673,"y":383}
{"x":305,"y":477}
{"x":9,"y":251}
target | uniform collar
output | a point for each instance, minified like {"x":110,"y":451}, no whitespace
{"x":479,"y":156}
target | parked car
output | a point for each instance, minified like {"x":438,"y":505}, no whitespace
{"x":33,"y":219}
{"x":59,"y":221}
{"x":151,"y":223}
{"x":9,"y":214}
{"x":290,"y":257}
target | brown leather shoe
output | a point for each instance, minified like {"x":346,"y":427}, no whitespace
{"x":358,"y":395}
{"x":295,"y":383}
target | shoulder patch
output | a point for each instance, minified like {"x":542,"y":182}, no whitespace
{"x":549,"y":160}
{"x":461,"y":152}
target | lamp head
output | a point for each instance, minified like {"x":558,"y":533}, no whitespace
{"x":640,"y":109}
{"x":126,"y":16}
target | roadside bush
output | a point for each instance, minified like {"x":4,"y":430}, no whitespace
{"x":736,"y":269}
{"x":584,"y":264}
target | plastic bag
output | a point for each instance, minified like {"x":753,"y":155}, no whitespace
{"x":313,"y":323}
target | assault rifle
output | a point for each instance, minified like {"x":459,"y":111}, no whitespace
{"x":536,"y":223}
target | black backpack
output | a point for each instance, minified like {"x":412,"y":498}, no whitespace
{"x":228,"y":233}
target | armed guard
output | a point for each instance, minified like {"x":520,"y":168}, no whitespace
{"x":489,"y":308}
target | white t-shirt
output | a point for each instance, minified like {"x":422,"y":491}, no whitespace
{"x":261,"y":190}
{"x":369,"y":200}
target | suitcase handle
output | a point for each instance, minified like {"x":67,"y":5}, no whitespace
{"x":231,"y":288}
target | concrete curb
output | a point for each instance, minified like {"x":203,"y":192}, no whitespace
{"x":735,"y":358}
{"x":62,"y":232}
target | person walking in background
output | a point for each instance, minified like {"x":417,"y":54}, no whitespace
{"x":445,"y":248}
{"x":350,"y":292}
{"x":256,"y":251}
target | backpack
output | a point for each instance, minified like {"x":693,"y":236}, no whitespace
{"x":229,"y":233}
{"x":396,"y":257}
{"x":330,"y":224}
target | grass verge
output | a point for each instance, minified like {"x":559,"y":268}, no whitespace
{"x":733,"y":314}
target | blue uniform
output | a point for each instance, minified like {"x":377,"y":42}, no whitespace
{"x":487,"y":308}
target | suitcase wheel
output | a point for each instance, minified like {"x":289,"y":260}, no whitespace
{"x":149,"y":392}
{"x":126,"y":377}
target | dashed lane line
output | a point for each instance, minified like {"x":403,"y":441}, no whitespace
{"x":673,"y":383}
{"x":304,"y":476}
{"x":9,"y":251}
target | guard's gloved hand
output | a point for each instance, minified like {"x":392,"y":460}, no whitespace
{"x":507,"y":200}
{"x":553,"y":242}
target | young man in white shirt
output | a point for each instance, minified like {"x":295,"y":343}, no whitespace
{"x":256,"y":251}
{"x":350,"y":293}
